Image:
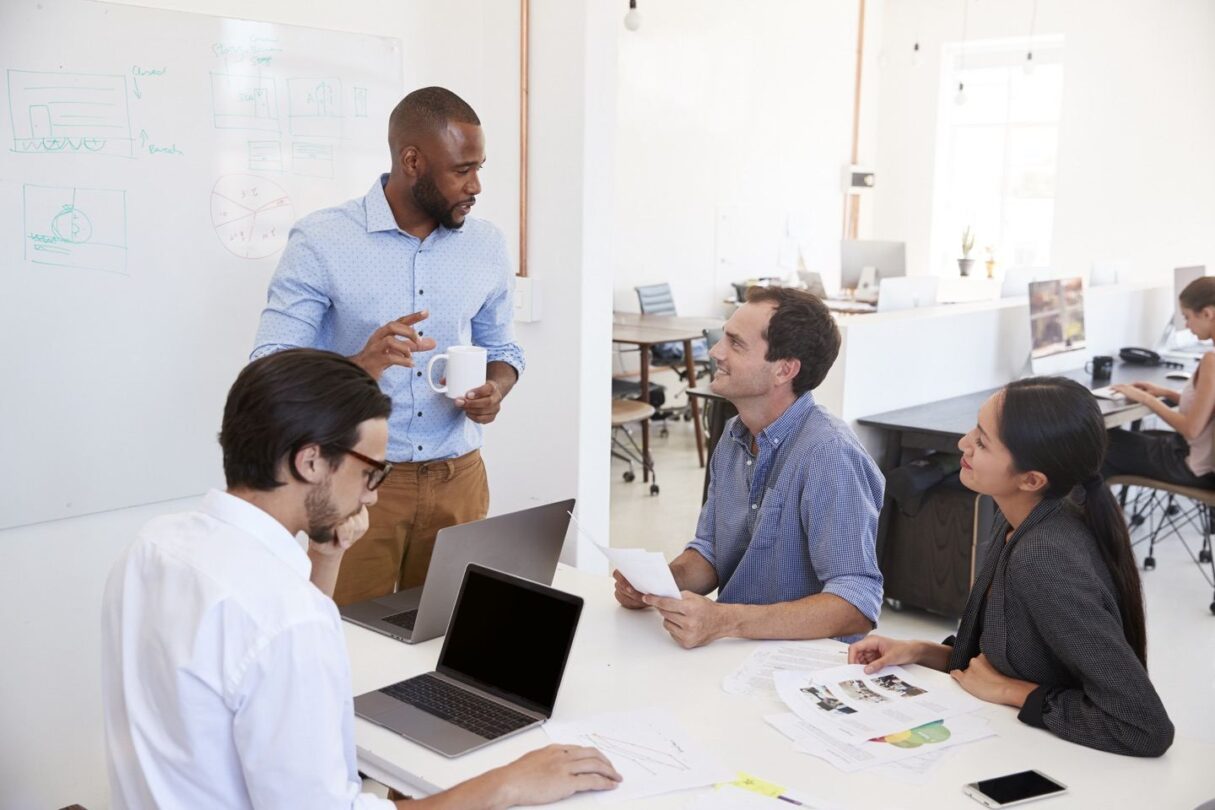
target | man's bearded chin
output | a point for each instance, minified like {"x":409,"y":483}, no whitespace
{"x":426,"y":194}
{"x":323,"y":516}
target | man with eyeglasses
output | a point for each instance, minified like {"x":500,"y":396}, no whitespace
{"x":225,"y":681}
{"x":384,"y":277}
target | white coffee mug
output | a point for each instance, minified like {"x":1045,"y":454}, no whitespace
{"x":465,"y":370}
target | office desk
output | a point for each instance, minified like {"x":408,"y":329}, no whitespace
{"x":646,"y":331}
{"x":929,"y":559}
{"x":939,"y":425}
{"x":675,"y":322}
{"x":624,"y":660}
{"x":838,"y":306}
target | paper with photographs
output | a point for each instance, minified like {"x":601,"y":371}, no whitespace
{"x":854,"y":707}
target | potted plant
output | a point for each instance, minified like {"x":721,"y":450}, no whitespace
{"x":968,"y":244}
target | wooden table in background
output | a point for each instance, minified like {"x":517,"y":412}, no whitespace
{"x":647,"y":331}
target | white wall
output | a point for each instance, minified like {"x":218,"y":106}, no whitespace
{"x":1136,"y":171}
{"x":550,"y":442}
{"x":552,"y":439}
{"x":733,"y":118}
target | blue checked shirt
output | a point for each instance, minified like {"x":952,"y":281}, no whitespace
{"x":347,"y":271}
{"x":811,"y":530}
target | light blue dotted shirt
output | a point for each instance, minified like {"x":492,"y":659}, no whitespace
{"x":348,"y":270}
{"x":812,"y":530}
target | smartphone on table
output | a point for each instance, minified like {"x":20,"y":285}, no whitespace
{"x":1013,"y":789}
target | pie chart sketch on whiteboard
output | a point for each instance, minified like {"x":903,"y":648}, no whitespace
{"x":251,"y":215}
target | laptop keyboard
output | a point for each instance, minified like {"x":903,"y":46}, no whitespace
{"x":405,"y":619}
{"x":465,"y":709}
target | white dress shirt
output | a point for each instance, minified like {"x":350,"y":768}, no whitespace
{"x":225,"y":679}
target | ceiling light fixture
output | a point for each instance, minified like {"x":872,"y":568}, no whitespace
{"x":960,"y":98}
{"x":632,"y":19}
{"x":1029,"y":55}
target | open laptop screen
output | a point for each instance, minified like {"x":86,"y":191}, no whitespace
{"x":510,"y":637}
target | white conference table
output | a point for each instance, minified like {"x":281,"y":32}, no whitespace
{"x":623,"y":660}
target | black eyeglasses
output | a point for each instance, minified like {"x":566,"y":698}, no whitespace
{"x":375,"y":476}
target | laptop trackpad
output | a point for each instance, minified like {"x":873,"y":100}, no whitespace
{"x":414,"y":724}
{"x":373,"y":610}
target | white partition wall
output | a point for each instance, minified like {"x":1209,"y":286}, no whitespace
{"x":900,"y":359}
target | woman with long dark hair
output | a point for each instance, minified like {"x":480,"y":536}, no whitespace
{"x":1054,"y":624}
{"x":1186,"y":454}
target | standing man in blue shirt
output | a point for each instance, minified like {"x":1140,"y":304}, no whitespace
{"x":381,"y":278}
{"x":787,"y":535}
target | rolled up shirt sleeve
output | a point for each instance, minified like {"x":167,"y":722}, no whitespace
{"x":705,"y":543}
{"x":840,"y":504}
{"x":493,"y":325}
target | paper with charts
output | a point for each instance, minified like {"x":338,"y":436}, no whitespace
{"x":909,"y":744}
{"x":649,"y":748}
{"x":854,"y":707}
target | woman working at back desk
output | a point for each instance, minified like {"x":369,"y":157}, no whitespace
{"x":1054,"y":624}
{"x":1186,"y":454}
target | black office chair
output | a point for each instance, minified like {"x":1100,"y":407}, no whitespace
{"x":656,"y":299}
{"x":1163,"y":508}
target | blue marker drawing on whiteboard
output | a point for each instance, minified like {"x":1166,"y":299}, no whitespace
{"x":312,"y":159}
{"x":82,"y":113}
{"x":314,"y":107}
{"x":265,"y":156}
{"x":155,"y":149}
{"x":82,"y":228}
{"x":138,"y":71}
{"x":259,"y":51}
{"x":244,"y":102}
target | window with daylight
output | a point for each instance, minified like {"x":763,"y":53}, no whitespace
{"x":997,"y":142}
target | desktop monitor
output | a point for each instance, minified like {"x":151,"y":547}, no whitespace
{"x":1056,"y":325}
{"x":889,"y":259}
{"x":907,"y":293}
{"x":1182,"y":276}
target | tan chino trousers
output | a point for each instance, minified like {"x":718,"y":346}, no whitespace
{"x":415,"y":501}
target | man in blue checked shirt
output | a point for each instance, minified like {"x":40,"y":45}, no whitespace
{"x":400,"y":271}
{"x":787,"y":536}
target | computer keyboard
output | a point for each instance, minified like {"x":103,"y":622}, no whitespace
{"x":405,"y":619}
{"x":458,"y":706}
{"x":1107,"y":392}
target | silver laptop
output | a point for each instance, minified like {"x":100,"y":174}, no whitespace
{"x":813,"y":282}
{"x":498,"y":673}
{"x":526,"y":543}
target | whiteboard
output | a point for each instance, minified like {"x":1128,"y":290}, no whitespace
{"x":151,"y":165}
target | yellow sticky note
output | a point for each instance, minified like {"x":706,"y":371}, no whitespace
{"x":756,"y":785}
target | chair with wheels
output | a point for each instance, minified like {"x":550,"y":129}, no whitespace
{"x":656,"y":299}
{"x":1169,"y":509}
{"x":624,"y":413}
